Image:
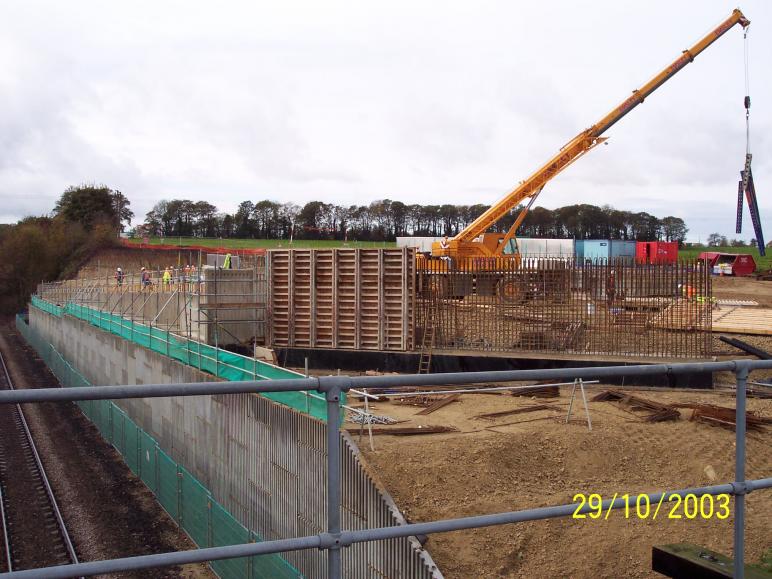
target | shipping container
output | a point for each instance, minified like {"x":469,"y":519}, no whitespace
{"x":422,"y":244}
{"x":623,"y":249}
{"x":737,"y":264}
{"x":527,"y":246}
{"x":589,"y":250}
{"x":656,"y":252}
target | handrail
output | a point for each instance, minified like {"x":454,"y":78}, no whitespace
{"x":331,"y":387}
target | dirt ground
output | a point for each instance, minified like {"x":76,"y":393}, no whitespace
{"x":534,"y":459}
{"x":108,"y":511}
{"x":743,"y":288}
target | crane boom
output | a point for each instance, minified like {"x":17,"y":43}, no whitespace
{"x":464,"y":245}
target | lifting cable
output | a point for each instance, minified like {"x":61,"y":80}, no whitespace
{"x":747,"y":101}
{"x":746,"y":186}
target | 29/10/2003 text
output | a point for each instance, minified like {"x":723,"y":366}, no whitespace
{"x":641,"y":507}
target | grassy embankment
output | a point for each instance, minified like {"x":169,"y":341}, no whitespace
{"x":762,"y":263}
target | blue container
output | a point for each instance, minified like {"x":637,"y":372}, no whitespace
{"x":579,"y":249}
{"x":604,"y":249}
{"x":593,"y":249}
{"x":624,"y":250}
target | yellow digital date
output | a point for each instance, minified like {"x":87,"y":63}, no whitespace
{"x":672,"y":506}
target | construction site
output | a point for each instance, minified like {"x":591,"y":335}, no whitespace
{"x":398,"y":413}
{"x":437,"y":451}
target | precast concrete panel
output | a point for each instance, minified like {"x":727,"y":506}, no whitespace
{"x":264,"y":462}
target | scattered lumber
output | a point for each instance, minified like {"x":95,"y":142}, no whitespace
{"x":413,"y":430}
{"x":440,"y":403}
{"x":421,"y":400}
{"x":725,"y":417}
{"x":546,"y":392}
{"x":654,"y":411}
{"x":534,"y":408}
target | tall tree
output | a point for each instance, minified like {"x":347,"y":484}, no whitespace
{"x":674,"y":229}
{"x":92,"y":204}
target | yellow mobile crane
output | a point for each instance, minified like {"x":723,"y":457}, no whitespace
{"x":474,"y":244}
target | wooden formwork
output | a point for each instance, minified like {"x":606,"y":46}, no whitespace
{"x":360,"y":299}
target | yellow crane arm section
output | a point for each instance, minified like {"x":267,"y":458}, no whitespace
{"x":583,"y":143}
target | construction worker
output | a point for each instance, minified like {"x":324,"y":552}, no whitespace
{"x":226,"y":264}
{"x":166,"y":278}
{"x":119,"y":276}
{"x":611,"y":288}
{"x":445,"y":244}
{"x":687,"y":291}
{"x":145,"y":278}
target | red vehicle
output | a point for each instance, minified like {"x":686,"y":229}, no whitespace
{"x":737,"y":264}
{"x":656,"y":252}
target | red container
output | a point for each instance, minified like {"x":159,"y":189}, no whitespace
{"x":656,"y":252}
{"x":738,"y":264}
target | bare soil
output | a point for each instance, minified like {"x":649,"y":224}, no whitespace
{"x":109,"y":512}
{"x":743,"y":288}
{"x":534,"y":459}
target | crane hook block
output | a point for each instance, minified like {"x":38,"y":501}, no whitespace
{"x":747,"y":102}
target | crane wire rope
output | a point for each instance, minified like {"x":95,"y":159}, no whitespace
{"x":747,"y":100}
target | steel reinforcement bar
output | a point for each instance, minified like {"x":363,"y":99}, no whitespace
{"x":335,"y":538}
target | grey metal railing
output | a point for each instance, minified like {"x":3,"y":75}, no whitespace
{"x":335,"y":538}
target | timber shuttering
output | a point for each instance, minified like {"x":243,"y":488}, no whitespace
{"x":358,"y":299}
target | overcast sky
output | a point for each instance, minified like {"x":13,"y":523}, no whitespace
{"x":348,"y":102}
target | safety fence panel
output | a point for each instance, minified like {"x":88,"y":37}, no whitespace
{"x":216,"y":361}
{"x":226,"y":531}
{"x":168,"y":491}
{"x":179,"y":493}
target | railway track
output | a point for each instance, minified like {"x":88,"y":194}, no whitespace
{"x":33,"y":532}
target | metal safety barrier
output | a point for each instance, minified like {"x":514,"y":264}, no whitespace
{"x":331,"y":387}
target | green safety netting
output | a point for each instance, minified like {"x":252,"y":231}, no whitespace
{"x":215,"y":361}
{"x":180,"y":494}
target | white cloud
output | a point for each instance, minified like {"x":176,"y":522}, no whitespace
{"x":353,"y":101}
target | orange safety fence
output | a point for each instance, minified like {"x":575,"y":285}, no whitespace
{"x":166,"y":247}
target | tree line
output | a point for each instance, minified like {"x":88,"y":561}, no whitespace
{"x":85,"y":219}
{"x":384,"y":220}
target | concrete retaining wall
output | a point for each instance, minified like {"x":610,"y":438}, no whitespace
{"x":262,"y":461}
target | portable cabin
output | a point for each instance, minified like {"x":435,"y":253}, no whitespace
{"x":589,"y":250}
{"x":531,"y":247}
{"x":656,"y":252}
{"x":737,"y":264}
{"x":622,"y":249}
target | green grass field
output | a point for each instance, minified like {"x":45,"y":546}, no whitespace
{"x":762,"y":263}
{"x":261,"y":243}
